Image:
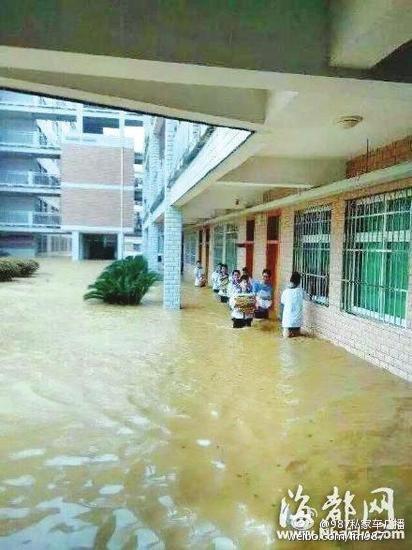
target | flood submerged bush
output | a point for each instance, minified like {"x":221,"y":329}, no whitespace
{"x":123,"y":282}
{"x":16,"y":267}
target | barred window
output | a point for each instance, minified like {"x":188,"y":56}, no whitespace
{"x":311,"y":251}
{"x":231,"y":248}
{"x":218,"y":237}
{"x":190,"y":248}
{"x":376,"y":256}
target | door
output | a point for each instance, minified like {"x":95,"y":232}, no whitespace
{"x":249,"y":258}
{"x":271,"y":261}
{"x":272,"y":248}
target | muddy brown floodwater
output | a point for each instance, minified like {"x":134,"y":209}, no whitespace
{"x":128,"y":427}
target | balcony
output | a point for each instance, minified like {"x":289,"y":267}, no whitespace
{"x":47,"y":108}
{"x":35,"y":143}
{"x":23,"y":219}
{"x":29,"y":182}
{"x":158,"y":200}
{"x":188,"y":143}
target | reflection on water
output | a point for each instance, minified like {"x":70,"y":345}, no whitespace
{"x":140,"y":428}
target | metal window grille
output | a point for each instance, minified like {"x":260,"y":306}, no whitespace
{"x":231,"y":248}
{"x":376,"y":256}
{"x":190,"y":248}
{"x":218,"y":236}
{"x":311,"y":251}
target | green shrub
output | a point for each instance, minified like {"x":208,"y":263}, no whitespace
{"x":123,"y":282}
{"x":7,"y":272}
{"x":20,"y":267}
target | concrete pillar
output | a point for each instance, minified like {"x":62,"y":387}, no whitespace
{"x":151,"y":246}
{"x":48,"y":245}
{"x":259,"y":251}
{"x":122,"y":121}
{"x":76,"y":246}
{"x":337,"y":237}
{"x":172,"y":257}
{"x":120,"y":246}
{"x":79,"y":118}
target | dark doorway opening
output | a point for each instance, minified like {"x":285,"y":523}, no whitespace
{"x":99,"y":247}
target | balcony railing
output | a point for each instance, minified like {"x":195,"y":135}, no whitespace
{"x":158,"y":200}
{"x":15,"y":138}
{"x":184,"y":156}
{"x":52,"y":102}
{"x":19,"y":178}
{"x":24,"y":218}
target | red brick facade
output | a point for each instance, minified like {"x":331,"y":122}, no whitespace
{"x":382,"y":157}
{"x":86,"y":172}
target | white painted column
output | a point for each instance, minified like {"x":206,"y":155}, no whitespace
{"x":120,"y":246}
{"x":48,"y":244}
{"x":152,"y":245}
{"x":76,"y":248}
{"x":79,"y":118}
{"x":172,"y":257}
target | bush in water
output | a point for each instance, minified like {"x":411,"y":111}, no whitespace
{"x":16,"y":267}
{"x":123,"y":282}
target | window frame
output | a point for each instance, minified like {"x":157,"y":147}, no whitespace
{"x":383,"y":235}
{"x":302,"y":221}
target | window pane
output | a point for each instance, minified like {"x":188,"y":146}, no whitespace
{"x":311,"y":251}
{"x":376,"y":256}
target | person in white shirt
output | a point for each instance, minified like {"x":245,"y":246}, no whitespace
{"x":224,"y":284}
{"x":199,"y":274}
{"x":216,"y":278}
{"x":242,"y":313}
{"x":234,"y":282}
{"x":292,"y":301}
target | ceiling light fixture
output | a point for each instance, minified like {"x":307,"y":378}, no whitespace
{"x":349,"y":121}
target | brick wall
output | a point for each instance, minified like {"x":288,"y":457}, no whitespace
{"x":384,"y":345}
{"x":241,"y":237}
{"x":81,"y":163}
{"x":96,"y":208}
{"x":211,"y":256}
{"x":90,"y":165}
{"x":382,"y":157}
{"x":172,"y":257}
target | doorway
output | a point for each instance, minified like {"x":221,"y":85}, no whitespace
{"x":250,"y":245}
{"x":272,"y":246}
{"x":99,"y":247}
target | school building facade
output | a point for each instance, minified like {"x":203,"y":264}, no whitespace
{"x":352,"y":247}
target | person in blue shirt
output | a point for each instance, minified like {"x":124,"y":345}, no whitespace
{"x":264,"y":295}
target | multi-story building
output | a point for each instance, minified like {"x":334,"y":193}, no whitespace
{"x":343,"y":222}
{"x":97,"y":194}
{"x":38,"y":211}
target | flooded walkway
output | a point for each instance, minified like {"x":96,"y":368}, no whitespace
{"x":140,"y":428}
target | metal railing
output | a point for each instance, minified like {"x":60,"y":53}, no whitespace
{"x":158,"y":200}
{"x":187,"y":148}
{"x":311,"y":251}
{"x":20,"y":178}
{"x":24,"y":218}
{"x":16,"y":138}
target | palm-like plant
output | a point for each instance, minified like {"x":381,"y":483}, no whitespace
{"x":123,"y":282}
